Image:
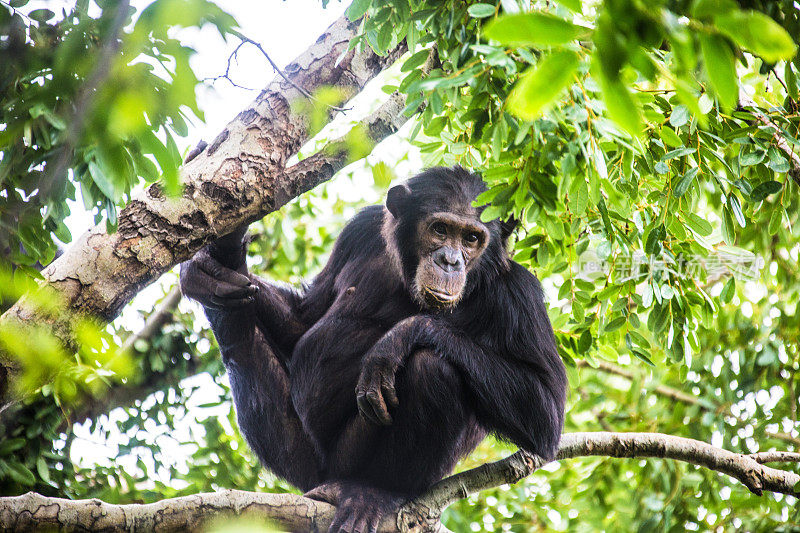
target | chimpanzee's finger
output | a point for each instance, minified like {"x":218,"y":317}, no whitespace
{"x":374,"y":522}
{"x":365,"y":408}
{"x":389,"y":392}
{"x":343,"y":522}
{"x":329,"y":492}
{"x":375,"y":399}
{"x":211,"y":292}
{"x":218,"y":271}
{"x":223,"y":289}
{"x":361,"y":524}
{"x":231,"y":302}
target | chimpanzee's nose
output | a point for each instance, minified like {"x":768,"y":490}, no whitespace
{"x":448,"y":259}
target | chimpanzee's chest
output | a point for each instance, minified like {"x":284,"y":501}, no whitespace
{"x":381,"y":303}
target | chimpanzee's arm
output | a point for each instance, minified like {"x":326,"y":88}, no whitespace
{"x":521,"y":398}
{"x":217,"y":277}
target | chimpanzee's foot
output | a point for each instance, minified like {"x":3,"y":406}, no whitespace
{"x":360,"y":509}
{"x":328,"y":492}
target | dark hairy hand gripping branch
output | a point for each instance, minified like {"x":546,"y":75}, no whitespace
{"x":418,"y":337}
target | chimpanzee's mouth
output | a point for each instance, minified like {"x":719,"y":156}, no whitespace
{"x":444,"y":297}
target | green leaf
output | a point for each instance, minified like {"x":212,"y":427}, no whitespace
{"x":490,"y":213}
{"x":736,"y":208}
{"x":572,"y":5}
{"x":541,"y":85}
{"x":751,"y":158}
{"x":21,"y":474}
{"x":41,"y":15}
{"x":621,"y":106}
{"x":41,"y":469}
{"x":728,"y":233}
{"x":698,"y":224}
{"x":757,"y":33}
{"x":708,"y":8}
{"x":679,"y":116}
{"x":480,"y":11}
{"x":727,"y":291}
{"x":585,"y":341}
{"x":62,"y":233}
{"x":382,"y":174}
{"x":669,"y":136}
{"x":615,"y":324}
{"x":103,"y":182}
{"x":653,"y":243}
{"x":578,"y":195}
{"x":721,"y":69}
{"x":11,"y":444}
{"x":532,"y":29}
{"x":641,"y":355}
{"x":763,"y":190}
{"x":791,"y":81}
{"x":775,"y":222}
{"x":357,"y":9}
{"x":414,"y":61}
{"x":680,"y":152}
{"x":684,"y":183}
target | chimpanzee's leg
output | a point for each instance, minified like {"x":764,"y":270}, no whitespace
{"x":260,"y":386}
{"x":432,"y":428}
{"x":373,"y":469}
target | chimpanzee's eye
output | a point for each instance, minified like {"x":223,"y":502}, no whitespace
{"x":439,"y":228}
{"x":471,"y":238}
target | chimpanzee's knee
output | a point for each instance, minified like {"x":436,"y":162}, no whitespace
{"x":430,"y":389}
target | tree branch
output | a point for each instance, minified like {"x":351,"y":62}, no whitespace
{"x":157,"y":320}
{"x":32,"y":512}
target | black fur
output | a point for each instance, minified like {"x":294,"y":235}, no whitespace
{"x":294,"y":358}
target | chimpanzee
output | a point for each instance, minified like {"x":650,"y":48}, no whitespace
{"x":418,"y":336}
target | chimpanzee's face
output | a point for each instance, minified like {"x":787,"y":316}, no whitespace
{"x":449,"y":245}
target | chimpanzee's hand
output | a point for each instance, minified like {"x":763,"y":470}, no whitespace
{"x":375,"y":387}
{"x":214,"y":285}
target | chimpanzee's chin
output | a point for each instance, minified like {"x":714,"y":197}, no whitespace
{"x":437,"y":299}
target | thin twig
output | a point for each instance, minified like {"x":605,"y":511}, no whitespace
{"x":247,"y":40}
{"x":227,"y":75}
{"x":157,"y":320}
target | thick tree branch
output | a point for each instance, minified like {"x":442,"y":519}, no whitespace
{"x":240,"y":177}
{"x":32,"y":511}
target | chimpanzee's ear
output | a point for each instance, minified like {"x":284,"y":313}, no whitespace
{"x":507,"y":227}
{"x":397,"y":198}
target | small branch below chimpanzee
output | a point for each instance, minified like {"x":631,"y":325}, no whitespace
{"x":33,"y":512}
